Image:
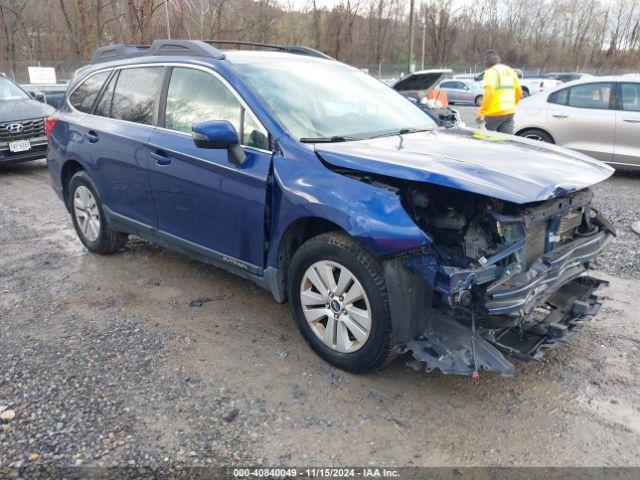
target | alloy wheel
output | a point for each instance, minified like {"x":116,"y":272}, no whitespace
{"x":86,"y":212}
{"x":336,"y":306}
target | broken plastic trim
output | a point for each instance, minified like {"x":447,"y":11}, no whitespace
{"x":454,"y":348}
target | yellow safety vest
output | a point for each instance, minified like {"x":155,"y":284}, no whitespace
{"x":504,"y":81}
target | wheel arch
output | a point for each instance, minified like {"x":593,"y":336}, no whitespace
{"x":295,"y":234}
{"x":68,"y":170}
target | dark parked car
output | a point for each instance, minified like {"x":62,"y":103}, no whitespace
{"x":22,"y":133}
{"x":50,"y":94}
{"x":386,"y":233}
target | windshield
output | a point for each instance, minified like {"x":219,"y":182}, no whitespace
{"x":10,"y":91}
{"x":329,"y":100}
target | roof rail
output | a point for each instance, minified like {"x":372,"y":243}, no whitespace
{"x":158,"y":47}
{"x":310,"y":52}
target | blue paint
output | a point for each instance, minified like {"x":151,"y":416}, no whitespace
{"x":163,"y":181}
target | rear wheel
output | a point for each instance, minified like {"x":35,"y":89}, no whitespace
{"x":88,"y":217}
{"x":478,"y":100}
{"x":525,"y":92}
{"x":536,"y":134}
{"x":339,"y":301}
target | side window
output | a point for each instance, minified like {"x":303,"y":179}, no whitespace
{"x":83,"y":97}
{"x":630,"y":93}
{"x":104,"y":104}
{"x":447,"y":85}
{"x":590,"y":95}
{"x":559,"y":97}
{"x":135,"y":94}
{"x":195,"y":96}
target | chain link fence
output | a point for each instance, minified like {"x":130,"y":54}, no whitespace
{"x":18,"y":71}
{"x":385,"y":71}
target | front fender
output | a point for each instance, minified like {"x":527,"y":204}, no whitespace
{"x":375,"y":217}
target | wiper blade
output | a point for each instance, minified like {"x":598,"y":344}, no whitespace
{"x":334,"y":139}
{"x":402,"y":131}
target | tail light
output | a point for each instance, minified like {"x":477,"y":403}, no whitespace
{"x":49,"y":123}
{"x":541,"y":83}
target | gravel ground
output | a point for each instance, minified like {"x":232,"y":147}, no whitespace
{"x":148,"y":358}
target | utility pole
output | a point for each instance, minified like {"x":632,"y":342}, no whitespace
{"x":410,"y":61}
{"x":424,"y":39}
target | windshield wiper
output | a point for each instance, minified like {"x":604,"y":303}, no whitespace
{"x":402,"y":131}
{"x":334,"y":139}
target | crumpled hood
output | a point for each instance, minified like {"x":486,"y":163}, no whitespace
{"x":23,"y":109}
{"x":496,"y":165}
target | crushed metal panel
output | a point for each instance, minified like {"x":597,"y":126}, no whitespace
{"x":455,"y":348}
{"x":449,"y":346}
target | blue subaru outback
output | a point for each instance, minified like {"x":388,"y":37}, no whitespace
{"x":387,"y":233}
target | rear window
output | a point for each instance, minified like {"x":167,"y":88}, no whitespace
{"x":559,"y":97}
{"x":135,"y":94}
{"x":630,"y":93}
{"x":83,"y":97}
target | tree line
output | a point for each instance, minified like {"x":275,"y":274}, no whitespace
{"x":571,"y":34}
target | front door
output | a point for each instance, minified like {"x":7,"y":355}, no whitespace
{"x":201,"y":197}
{"x":627,"y":147}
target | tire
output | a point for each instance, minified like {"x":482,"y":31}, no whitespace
{"x":536,"y":134}
{"x":525,"y":92}
{"x":102,"y":239}
{"x":478,"y":100}
{"x":342,"y":255}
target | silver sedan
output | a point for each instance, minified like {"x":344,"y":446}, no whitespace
{"x":462,"y":91}
{"x":597,"y":116}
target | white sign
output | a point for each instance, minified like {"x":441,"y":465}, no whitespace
{"x":42,"y":75}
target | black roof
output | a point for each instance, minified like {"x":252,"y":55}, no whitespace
{"x":198,"y":48}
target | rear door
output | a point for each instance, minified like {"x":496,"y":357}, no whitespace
{"x":118,"y":145}
{"x":627,"y":145}
{"x":583,"y":119}
{"x":201,"y":197}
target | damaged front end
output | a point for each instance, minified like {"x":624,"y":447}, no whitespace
{"x":499,"y":279}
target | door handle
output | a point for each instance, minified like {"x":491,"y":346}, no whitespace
{"x":560,"y":115}
{"x":161,"y":158}
{"x":631,"y":120}
{"x":91,"y":136}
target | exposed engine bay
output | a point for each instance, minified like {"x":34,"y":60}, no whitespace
{"x":507,"y":278}
{"x":503,"y":279}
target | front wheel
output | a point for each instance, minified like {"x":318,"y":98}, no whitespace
{"x":88,"y":217}
{"x":535,"y":134}
{"x":478,"y":100}
{"x":339,"y":301}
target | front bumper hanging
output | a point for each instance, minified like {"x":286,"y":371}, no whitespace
{"x":456,"y":348}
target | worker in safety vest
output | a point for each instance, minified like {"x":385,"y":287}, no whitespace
{"x":502,"y":92}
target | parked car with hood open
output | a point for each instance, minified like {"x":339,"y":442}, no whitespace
{"x":421,"y":86}
{"x":386,"y":233}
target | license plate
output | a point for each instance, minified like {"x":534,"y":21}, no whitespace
{"x":19,"y":146}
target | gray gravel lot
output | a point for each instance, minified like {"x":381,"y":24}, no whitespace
{"x":146,"y":357}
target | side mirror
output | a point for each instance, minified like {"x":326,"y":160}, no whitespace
{"x":219,"y":134}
